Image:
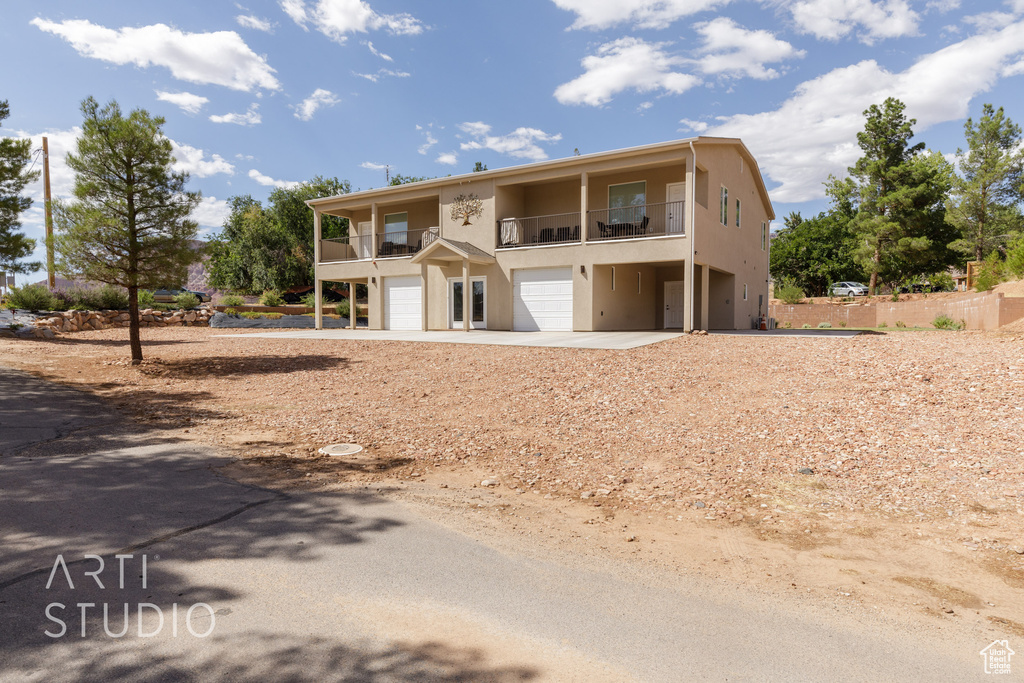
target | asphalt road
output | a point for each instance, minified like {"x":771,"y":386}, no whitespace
{"x":230,"y":582}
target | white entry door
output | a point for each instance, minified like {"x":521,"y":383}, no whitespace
{"x":365,"y":239}
{"x":674,"y":299}
{"x":403,"y":303}
{"x":477,"y":303}
{"x":675,"y":194}
{"x":542,"y":300}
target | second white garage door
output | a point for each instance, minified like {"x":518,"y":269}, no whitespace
{"x":403,"y":303}
{"x":542,"y":300}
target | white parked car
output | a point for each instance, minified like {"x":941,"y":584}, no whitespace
{"x":848,"y":289}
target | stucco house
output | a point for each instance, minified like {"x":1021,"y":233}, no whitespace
{"x":665,"y":236}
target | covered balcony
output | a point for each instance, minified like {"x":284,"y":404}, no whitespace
{"x":386,"y":245}
{"x":641,"y":220}
{"x":558,"y":228}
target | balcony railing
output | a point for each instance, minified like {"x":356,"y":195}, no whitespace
{"x":405,"y":243}
{"x":644,"y":220}
{"x":345,"y":248}
{"x":559,"y":228}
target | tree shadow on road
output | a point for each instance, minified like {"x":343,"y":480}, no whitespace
{"x":261,"y":656}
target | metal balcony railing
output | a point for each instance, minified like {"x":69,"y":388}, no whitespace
{"x":643,"y":220}
{"x":345,"y":248}
{"x":559,"y":228}
{"x":405,"y":243}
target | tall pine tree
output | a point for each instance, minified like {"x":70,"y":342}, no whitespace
{"x":14,"y":157}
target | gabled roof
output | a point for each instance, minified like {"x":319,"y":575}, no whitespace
{"x":448,"y":250}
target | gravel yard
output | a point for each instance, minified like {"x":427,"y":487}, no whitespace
{"x":776,"y":435}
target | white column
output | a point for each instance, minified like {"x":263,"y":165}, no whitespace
{"x":373,"y":230}
{"x":318,"y":287}
{"x":705,"y":285}
{"x":423,"y":295}
{"x":689,"y":216}
{"x":467,"y":314}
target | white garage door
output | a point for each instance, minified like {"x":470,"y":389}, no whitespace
{"x":403,"y":303}
{"x":542,"y":300}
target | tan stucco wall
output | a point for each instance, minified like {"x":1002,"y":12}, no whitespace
{"x":727,"y":248}
{"x":631,"y":304}
{"x":482,"y":230}
{"x":656,"y":178}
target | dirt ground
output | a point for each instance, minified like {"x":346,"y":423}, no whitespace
{"x":880,"y":475}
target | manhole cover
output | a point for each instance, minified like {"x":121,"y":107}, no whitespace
{"x":341,"y":449}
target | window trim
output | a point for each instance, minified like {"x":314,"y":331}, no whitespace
{"x":643,"y":206}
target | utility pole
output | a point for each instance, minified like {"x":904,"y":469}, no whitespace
{"x":51,"y":278}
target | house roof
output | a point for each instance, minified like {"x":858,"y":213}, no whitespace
{"x":426,"y":188}
{"x":449,"y":250}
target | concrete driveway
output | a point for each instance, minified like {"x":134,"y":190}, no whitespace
{"x":207,"y":579}
{"x":565,"y":340}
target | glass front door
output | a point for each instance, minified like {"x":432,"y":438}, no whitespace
{"x":477,"y":303}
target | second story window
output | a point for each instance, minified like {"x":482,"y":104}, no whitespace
{"x":396,"y":227}
{"x":725,"y":206}
{"x":737,"y":213}
{"x":764,"y":235}
{"x":627,"y":202}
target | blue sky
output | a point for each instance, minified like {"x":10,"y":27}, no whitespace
{"x":260,"y":94}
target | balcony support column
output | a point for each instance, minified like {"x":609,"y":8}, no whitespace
{"x":584,"y":227}
{"x":424,"y":296}
{"x":353,"y":310}
{"x":373,"y":230}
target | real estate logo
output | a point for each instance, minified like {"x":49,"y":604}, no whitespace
{"x":997,"y":657}
{"x":199,"y":619}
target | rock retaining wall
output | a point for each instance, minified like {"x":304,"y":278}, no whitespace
{"x":77,"y":321}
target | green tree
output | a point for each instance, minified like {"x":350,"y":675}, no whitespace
{"x":14,"y":157}
{"x":271,"y":247}
{"x":479,"y":167}
{"x":900,"y":223}
{"x":128,"y":224}
{"x":399,"y":179}
{"x":985,"y":201}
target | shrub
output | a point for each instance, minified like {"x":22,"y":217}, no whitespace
{"x":883,"y":324}
{"x":842,"y":323}
{"x":942,"y":282}
{"x":1015,"y":257}
{"x":186,"y":300}
{"x":231,"y":311}
{"x":146,"y":299}
{"x":232,"y":300}
{"x":824,"y":325}
{"x":31,"y":298}
{"x":272,"y":297}
{"x":805,"y":326}
{"x":944,"y":322}
{"x":790,"y":293}
{"x":788,"y":325}
{"x":112,"y":298}
{"x":342,"y":309}
{"x":991,"y":273}
{"x":900,"y":323}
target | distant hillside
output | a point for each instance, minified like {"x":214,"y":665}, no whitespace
{"x":196,"y":280}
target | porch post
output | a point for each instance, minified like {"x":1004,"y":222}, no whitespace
{"x":318,"y":287}
{"x":584,"y":180}
{"x":352,"y":310}
{"x":373,"y":230}
{"x":690,"y":270}
{"x":423,"y":295}
{"x":705,"y":283}
{"x":467,"y":315}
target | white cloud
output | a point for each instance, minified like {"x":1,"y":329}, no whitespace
{"x":337,"y":18}
{"x":219,"y":58}
{"x":814,"y":132}
{"x":625,"y":64}
{"x":186,"y":100}
{"x":696,"y":126}
{"x":382,"y":72}
{"x":249,"y":118}
{"x":731,"y":50}
{"x":255,"y":23}
{"x":943,"y":6}
{"x":211,"y":212}
{"x":194,"y":161}
{"x":522,"y":143}
{"x":378,"y":53}
{"x":834,"y":19}
{"x":431,"y":141}
{"x":270,"y":182}
{"x":599,"y":14}
{"x":373,"y":167}
{"x":319,"y":98}
{"x":448,"y":158}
